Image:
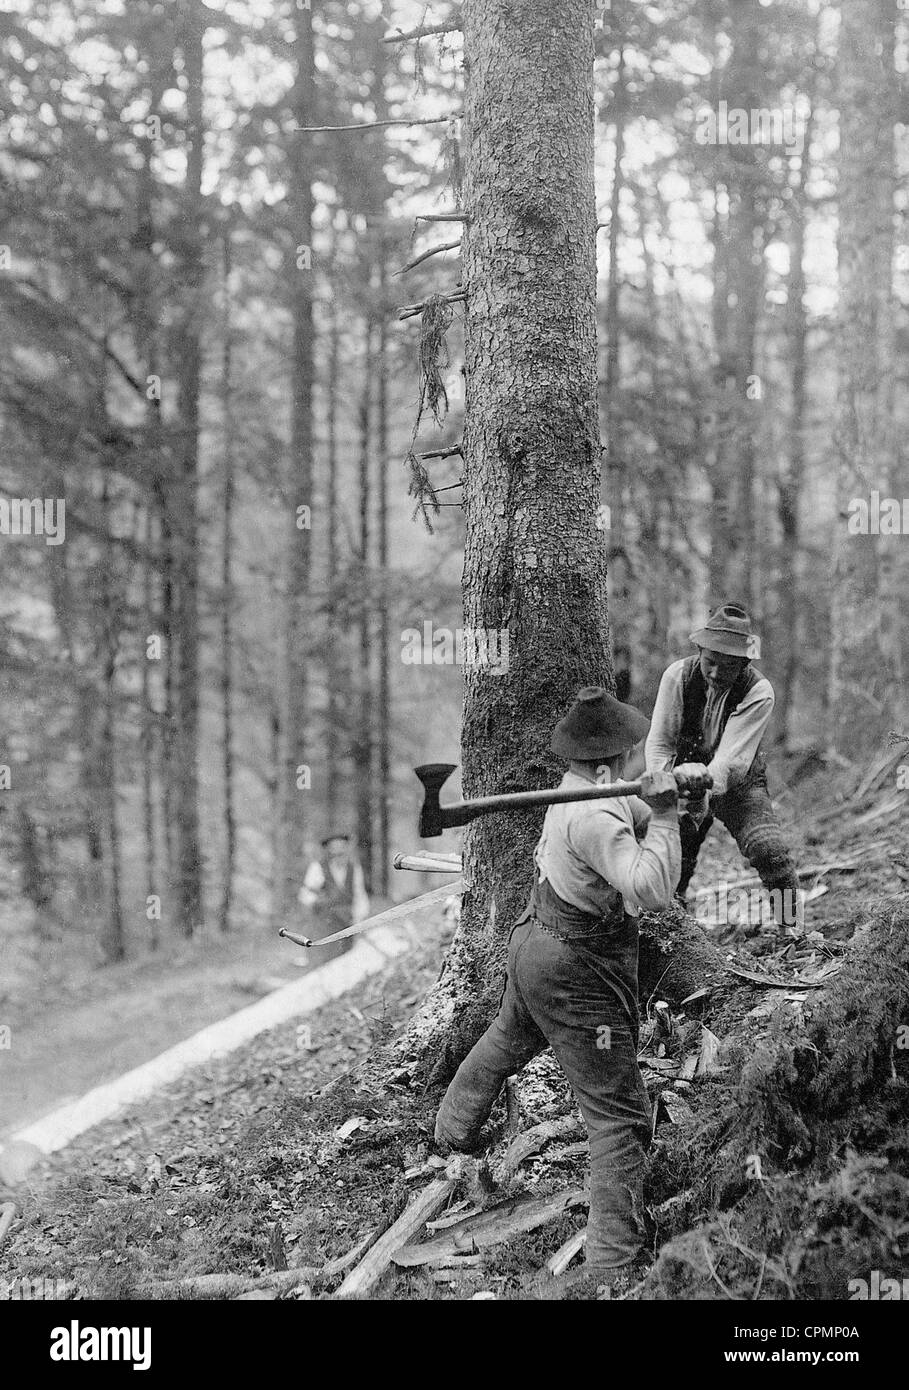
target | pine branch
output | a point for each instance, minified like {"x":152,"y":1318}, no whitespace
{"x":426,"y":32}
{"x":442,"y":453}
{"x":433,"y":251}
{"x":373,"y":125}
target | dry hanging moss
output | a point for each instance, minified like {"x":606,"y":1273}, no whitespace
{"x":435,"y":322}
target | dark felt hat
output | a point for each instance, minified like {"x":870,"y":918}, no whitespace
{"x":598,"y":726}
{"x":728,"y":630}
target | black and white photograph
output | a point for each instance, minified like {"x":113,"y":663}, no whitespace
{"x":454,"y":751}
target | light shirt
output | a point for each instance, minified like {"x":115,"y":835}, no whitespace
{"x":314,"y":882}
{"x":588,"y":848}
{"x":740,"y":738}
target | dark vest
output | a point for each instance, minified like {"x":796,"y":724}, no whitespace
{"x":337,"y":900}
{"x":691,"y":745}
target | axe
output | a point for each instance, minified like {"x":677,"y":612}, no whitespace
{"x":434,"y":818}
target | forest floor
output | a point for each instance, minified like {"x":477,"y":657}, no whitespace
{"x":780,"y":1169}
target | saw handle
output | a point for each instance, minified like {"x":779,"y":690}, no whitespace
{"x":292,"y":936}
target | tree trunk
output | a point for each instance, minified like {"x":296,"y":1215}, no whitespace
{"x":148,"y":735}
{"x":112,"y":941}
{"x":227,"y":599}
{"x":147,"y":338}
{"x":383,"y":701}
{"x":865,"y":442}
{"x":790,"y":483}
{"x":535,"y":563}
{"x":616,"y":465}
{"x":186,"y":487}
{"x":737,"y":306}
{"x":332,"y":582}
{"x":363,"y":739}
{"x":294,"y":699}
{"x":383,"y":693}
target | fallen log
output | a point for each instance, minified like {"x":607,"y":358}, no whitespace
{"x":532,"y":1141}
{"x":422,"y":1208}
{"x":226,"y":1285}
{"x":492,"y":1227}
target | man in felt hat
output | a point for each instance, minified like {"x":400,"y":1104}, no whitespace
{"x":572,"y":968}
{"x":713,"y":708}
{"x":334,"y":894}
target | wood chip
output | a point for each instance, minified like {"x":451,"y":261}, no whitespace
{"x":7,"y":1217}
{"x":677,"y":1108}
{"x":559,"y":1262}
{"x":492,"y":1227}
{"x":532,"y":1141}
{"x":421,"y":1208}
{"x":350,"y":1126}
{"x":708,"y":1064}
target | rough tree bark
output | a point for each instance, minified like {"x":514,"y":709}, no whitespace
{"x":535,"y":563}
{"x":616,"y":466}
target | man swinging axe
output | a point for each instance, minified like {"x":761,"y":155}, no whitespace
{"x":572,"y":966}
{"x":713,"y":708}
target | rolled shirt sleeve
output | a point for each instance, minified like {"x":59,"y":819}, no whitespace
{"x":645,"y":874}
{"x":741,"y":737}
{"x":662,"y":744}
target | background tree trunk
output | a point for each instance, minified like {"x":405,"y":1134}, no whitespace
{"x":227,"y":597}
{"x":865,"y":340}
{"x":363,"y":739}
{"x":334,"y":662}
{"x":190,"y":904}
{"x":294,"y":711}
{"x":790,"y":483}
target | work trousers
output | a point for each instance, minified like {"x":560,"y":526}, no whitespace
{"x":747,"y":813}
{"x":560,"y":996}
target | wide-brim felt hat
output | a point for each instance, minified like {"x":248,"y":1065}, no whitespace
{"x":598,"y":726}
{"x":727,"y":630}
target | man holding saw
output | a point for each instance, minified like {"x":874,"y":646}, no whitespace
{"x":713,"y":708}
{"x":572,"y":967}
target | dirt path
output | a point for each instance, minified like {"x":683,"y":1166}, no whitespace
{"x":126,"y":1016}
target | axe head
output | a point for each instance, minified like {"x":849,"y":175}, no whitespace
{"x":433,"y":776}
